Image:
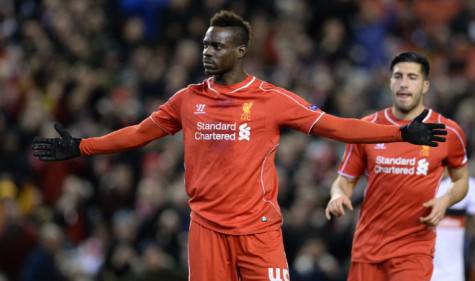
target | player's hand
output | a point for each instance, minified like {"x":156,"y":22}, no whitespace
{"x":438,"y":207}
{"x":336,"y":206}
{"x":56,"y":149}
{"x":420,"y":133}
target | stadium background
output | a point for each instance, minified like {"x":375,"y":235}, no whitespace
{"x":98,"y":65}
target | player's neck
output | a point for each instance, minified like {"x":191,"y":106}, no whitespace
{"x":234,"y":76}
{"x":407,"y":115}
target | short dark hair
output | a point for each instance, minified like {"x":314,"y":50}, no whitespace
{"x":412,"y":57}
{"x":225,"y":18}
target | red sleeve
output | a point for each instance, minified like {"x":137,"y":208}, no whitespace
{"x":168,"y":115}
{"x":354,"y":161}
{"x":456,"y":145}
{"x":352,"y":130}
{"x":293,"y":111}
{"x":123,"y":139}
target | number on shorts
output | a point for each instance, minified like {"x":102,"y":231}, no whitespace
{"x":275,"y":274}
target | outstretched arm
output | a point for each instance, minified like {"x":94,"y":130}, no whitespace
{"x":352,"y":130}
{"x":67,"y":147}
{"x":123,"y":139}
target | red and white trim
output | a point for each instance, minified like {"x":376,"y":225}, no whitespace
{"x":209,"y":81}
{"x":392,"y":121}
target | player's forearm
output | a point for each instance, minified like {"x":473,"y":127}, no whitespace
{"x":337,"y":191}
{"x":126,"y":138}
{"x":352,"y":130}
{"x":458,"y":190}
{"x":341,"y":186}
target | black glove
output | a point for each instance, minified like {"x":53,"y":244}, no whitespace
{"x":56,"y":149}
{"x":420,"y":133}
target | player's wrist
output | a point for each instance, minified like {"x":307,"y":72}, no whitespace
{"x":446,"y":200}
{"x":337,"y":196}
{"x":77,"y":147}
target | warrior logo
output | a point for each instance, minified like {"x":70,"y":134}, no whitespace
{"x":200,"y":108}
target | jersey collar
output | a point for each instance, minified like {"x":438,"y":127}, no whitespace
{"x":391,"y":118}
{"x":229,"y":89}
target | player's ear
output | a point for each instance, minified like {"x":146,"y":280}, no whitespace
{"x":425,"y":86}
{"x":241,"y":51}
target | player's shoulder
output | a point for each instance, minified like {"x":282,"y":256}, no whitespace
{"x":454,"y":131}
{"x":375,"y":117}
{"x":272,"y":89}
{"x":188,"y":90}
{"x":197,"y":87}
{"x":280,"y":94}
{"x":440,"y":118}
{"x":286,"y":98}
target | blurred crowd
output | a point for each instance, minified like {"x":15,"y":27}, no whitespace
{"x":98,"y":65}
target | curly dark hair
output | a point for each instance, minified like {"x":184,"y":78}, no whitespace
{"x":230,"y":19}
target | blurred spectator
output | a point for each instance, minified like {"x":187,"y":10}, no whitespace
{"x":315,"y":263}
{"x":147,"y":13}
{"x":43,"y":262}
{"x":17,"y":235}
{"x":157,"y":265}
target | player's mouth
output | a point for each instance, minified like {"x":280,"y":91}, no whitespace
{"x":207,"y":63}
{"x":403,"y":95}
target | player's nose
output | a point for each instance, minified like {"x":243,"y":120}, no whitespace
{"x":404,"y":83}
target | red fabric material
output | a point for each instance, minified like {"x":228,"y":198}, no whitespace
{"x":355,"y":131}
{"x":259,"y":257}
{"x":123,"y":139}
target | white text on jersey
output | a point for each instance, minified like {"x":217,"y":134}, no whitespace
{"x":401,"y":166}
{"x":222,"y":131}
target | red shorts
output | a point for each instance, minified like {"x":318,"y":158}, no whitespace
{"x":412,"y":267}
{"x":213,"y":256}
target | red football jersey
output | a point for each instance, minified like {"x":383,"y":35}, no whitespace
{"x":231,"y":134}
{"x":401,"y":177}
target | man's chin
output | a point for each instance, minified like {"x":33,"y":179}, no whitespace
{"x":405,"y":108}
{"x":211,"y":72}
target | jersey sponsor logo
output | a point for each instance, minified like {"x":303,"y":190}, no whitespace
{"x":246,"y":111}
{"x":215,"y":131}
{"x":222,"y":131}
{"x":399,"y":161}
{"x":200,"y":108}
{"x":278,"y":274}
{"x":422,"y":167}
{"x":380,"y":146}
{"x":425,"y":149}
{"x":401,"y":166}
{"x":244,"y":132}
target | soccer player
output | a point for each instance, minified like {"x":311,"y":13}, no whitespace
{"x":449,"y":243}
{"x":394,"y":237}
{"x":230,"y":125}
